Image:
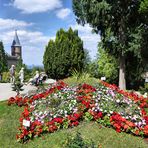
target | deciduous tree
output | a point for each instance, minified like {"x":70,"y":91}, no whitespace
{"x":121,"y":25}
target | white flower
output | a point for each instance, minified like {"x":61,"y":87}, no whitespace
{"x":135,"y":116}
{"x":54,"y":116}
{"x":93,"y":108}
{"x":40,"y":113}
{"x":127,"y":117}
{"x":117,"y":100}
{"x":143,"y":122}
{"x":96,"y":104}
{"x":110,"y":112}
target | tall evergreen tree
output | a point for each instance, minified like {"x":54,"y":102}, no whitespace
{"x":3,"y":60}
{"x":64,"y":55}
{"x":121,"y":24}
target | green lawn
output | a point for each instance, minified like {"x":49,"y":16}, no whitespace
{"x":106,"y":137}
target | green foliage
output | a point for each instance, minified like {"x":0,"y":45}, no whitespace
{"x":80,"y":76}
{"x":19,"y":65}
{"x":3,"y":60}
{"x":17,"y":86}
{"x":105,"y":121}
{"x":78,"y":142}
{"x":92,"y":68}
{"x":88,"y":116}
{"x":144,"y":89}
{"x":122,"y":25}
{"x":64,"y":54}
{"x":54,"y":102}
{"x":5,"y":77}
{"x":115,"y":20}
{"x":144,"y":6}
{"x":80,"y":79}
{"x":27,"y":72}
{"x":107,"y":66}
{"x":36,"y":68}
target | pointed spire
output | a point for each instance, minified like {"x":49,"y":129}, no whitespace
{"x":16,"y":41}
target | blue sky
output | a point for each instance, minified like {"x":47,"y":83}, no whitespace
{"x":37,"y":21}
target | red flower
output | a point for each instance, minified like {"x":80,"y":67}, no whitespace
{"x":21,"y":119}
{"x":11,"y":101}
{"x":146,"y":119}
{"x":125,"y":126}
{"x":87,"y":104}
{"x":58,"y":120}
{"x":137,"y":132}
{"x":76,"y":123}
{"x":26,"y":112}
{"x":146,"y":130}
{"x":118,"y":130}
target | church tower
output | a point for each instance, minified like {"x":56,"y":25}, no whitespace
{"x":16,"y":48}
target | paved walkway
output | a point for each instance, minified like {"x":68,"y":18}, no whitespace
{"x":6,"y":90}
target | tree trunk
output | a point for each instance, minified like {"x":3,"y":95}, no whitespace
{"x":122,"y":41}
{"x":122,"y":81}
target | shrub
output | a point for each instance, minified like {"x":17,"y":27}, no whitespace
{"x":64,"y":54}
{"x":78,"y":142}
{"x":5,"y":77}
{"x":144,"y":89}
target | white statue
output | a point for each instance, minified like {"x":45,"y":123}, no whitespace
{"x":35,"y":79}
{"x":21,"y":75}
{"x":12,"y":74}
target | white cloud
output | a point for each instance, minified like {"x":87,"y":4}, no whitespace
{"x":63,"y":13}
{"x":33,"y":42}
{"x":90,"y":39}
{"x":36,"y":6}
{"x":82,"y":29}
{"x":12,"y":24}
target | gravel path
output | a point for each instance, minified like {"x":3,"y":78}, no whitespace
{"x":6,"y":90}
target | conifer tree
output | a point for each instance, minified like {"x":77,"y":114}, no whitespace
{"x":64,"y":55}
{"x":3,"y":60}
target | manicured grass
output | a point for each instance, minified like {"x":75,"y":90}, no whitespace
{"x":105,"y":137}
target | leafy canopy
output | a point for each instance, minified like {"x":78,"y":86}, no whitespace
{"x":123,"y":26}
{"x":116,"y":21}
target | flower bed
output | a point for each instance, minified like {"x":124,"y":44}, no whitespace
{"x":61,"y":106}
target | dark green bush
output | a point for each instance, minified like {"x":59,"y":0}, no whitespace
{"x":144,"y":89}
{"x":79,"y":142}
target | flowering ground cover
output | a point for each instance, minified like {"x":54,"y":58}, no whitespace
{"x":61,"y":106}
